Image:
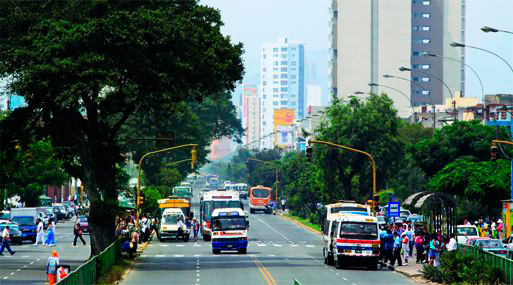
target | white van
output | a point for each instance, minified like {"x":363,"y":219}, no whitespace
{"x":349,"y":239}
{"x":169,"y":225}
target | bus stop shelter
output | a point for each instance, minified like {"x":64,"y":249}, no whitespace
{"x":437,"y":209}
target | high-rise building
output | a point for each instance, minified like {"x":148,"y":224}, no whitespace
{"x":282,"y":83}
{"x":370,"y":38}
{"x":251,"y":116}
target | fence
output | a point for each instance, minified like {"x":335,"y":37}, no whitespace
{"x":95,"y":267}
{"x":506,"y":265}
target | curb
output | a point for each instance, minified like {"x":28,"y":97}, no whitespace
{"x":299,"y":224}
{"x":134,"y":261}
{"x":399,"y":270}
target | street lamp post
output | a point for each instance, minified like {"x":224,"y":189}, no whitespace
{"x":400,"y":92}
{"x":402,"y":68}
{"x":487,"y":29}
{"x":422,"y":88}
{"x":455,"y":44}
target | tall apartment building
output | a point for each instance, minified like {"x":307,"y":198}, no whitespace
{"x":282,"y":83}
{"x":370,"y":38}
{"x":251,"y":116}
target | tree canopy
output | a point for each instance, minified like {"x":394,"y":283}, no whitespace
{"x":84,"y":67}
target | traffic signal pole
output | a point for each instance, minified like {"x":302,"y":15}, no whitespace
{"x":374,"y":192}
{"x":509,"y":203}
{"x":193,"y":158}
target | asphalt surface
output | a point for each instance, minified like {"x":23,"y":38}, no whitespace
{"x":28,"y":265}
{"x":279,"y":251}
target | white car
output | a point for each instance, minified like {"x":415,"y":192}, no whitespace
{"x":466,"y":232}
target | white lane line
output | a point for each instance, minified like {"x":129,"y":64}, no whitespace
{"x":12,"y":273}
{"x":309,"y":245}
{"x":293,"y":245}
{"x":197,"y":245}
{"x":337,"y":274}
{"x":38,"y":259}
{"x":178,"y":255}
{"x":18,"y":269}
{"x":276,"y":244}
{"x":197,"y":280}
{"x":354,"y":283}
{"x":260,"y":244}
{"x":197,"y":255}
{"x":5,"y":277}
{"x":144,"y":255}
{"x":32,"y":262}
{"x":345,"y":279}
{"x":25,"y":266}
{"x":160,"y":255}
{"x":164,"y":245}
{"x":272,"y":228}
{"x":197,"y":275}
{"x":180,"y":245}
{"x":272,"y":255}
{"x":25,"y":256}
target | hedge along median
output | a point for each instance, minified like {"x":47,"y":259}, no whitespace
{"x":469,"y":267}
{"x":304,"y":222}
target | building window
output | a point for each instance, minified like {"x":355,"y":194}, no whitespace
{"x":292,"y":82}
{"x":275,"y":95}
{"x":275,"y":55}
{"x":283,"y":49}
{"x":293,"y":69}
{"x":264,"y":123}
{"x":284,"y":75}
{"x":283,"y":69}
{"x":275,"y":89}
{"x":275,"y":76}
{"x":264,"y":83}
{"x":284,"y":102}
{"x":275,"y":82}
{"x":283,"y":95}
{"x":275,"y":49}
{"x":284,"y":62}
{"x":292,"y":95}
{"x":275,"y":68}
{"x":284,"y":89}
{"x":264,"y":98}
{"x":416,"y":53}
{"x":293,"y":103}
{"x":293,"y":63}
{"x":425,"y":66}
{"x":275,"y":103}
{"x":275,"y":63}
{"x":264,"y":69}
{"x":426,"y":3}
{"x":292,"y":76}
{"x":292,"y":48}
{"x":283,"y":55}
{"x":284,"y":82}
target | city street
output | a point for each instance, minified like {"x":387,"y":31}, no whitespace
{"x":28,"y":265}
{"x":278,"y":252}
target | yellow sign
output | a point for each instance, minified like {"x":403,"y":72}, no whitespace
{"x":283,"y":129}
{"x":283,"y":117}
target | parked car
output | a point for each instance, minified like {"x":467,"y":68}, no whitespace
{"x":466,"y":232}
{"x":403,"y":214}
{"x":5,"y":215}
{"x":472,"y":240}
{"x":60,"y":212}
{"x":14,"y":232}
{"x":415,"y":219}
{"x":84,"y":224}
{"x":494,"y":246}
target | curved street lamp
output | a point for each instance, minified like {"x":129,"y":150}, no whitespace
{"x":459,"y":61}
{"x":422,"y":88}
{"x":455,"y":44}
{"x":402,"y":68}
{"x":487,"y":29}
{"x":398,"y":91}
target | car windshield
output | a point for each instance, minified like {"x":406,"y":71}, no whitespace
{"x":222,"y":224}
{"x":170,"y":220}
{"x":381,"y":219}
{"x":349,"y":209}
{"x":260,"y":193}
{"x":24,"y":221}
{"x":489,"y":243}
{"x":470,"y":231}
{"x":405,"y":213}
{"x":354,"y":230}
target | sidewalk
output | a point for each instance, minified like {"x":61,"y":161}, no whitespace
{"x":410,"y":270}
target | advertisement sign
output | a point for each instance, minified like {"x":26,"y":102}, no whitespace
{"x":284,"y":131}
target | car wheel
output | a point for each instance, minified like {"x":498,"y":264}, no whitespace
{"x":242,"y":250}
{"x":216,"y":251}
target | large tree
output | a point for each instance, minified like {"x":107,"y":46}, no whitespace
{"x":85,"y":66}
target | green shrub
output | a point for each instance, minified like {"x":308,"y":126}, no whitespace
{"x":432,"y":273}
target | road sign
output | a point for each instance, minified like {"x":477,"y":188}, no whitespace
{"x":394,"y":209}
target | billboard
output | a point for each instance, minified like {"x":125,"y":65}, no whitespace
{"x":283,"y":127}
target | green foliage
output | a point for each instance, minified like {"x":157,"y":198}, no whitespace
{"x":456,"y":268}
{"x":85,"y":67}
{"x":151,"y":196}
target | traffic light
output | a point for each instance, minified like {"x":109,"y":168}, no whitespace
{"x":493,"y":152}
{"x":194,"y":157}
{"x":29,"y":156}
{"x":309,"y":151}
{"x":140,"y":200}
{"x":375,"y":203}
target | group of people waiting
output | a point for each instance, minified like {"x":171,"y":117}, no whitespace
{"x":399,"y":241}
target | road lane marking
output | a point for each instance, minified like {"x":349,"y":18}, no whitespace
{"x":18,"y":269}
{"x":25,"y":266}
{"x":160,"y":255}
{"x":272,"y":228}
{"x":32,"y":262}
{"x":12,"y":273}
{"x":180,"y":245}
{"x":197,"y":255}
{"x":345,"y":279}
{"x":309,"y":245}
{"x":276,"y":244}
{"x":5,"y":277}
{"x":260,"y":244}
{"x":197,"y":245}
{"x":164,"y":245}
{"x":293,"y":245}
{"x":272,"y":255}
{"x":178,"y":255}
{"x":268,"y":277}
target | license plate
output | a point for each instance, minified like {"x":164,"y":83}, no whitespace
{"x":358,"y":251}
{"x":229,"y":246}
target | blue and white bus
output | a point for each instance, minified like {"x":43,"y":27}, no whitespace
{"x":229,"y":230}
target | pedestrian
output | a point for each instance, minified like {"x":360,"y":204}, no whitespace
{"x":135,"y":240}
{"x":40,"y":233}
{"x":419,"y":247}
{"x":283,"y":204}
{"x":54,"y":229}
{"x":500,"y":227}
{"x":434,"y":247}
{"x":180,"y":225}
{"x":405,"y":247}
{"x":144,"y":227}
{"x":388,"y":240}
{"x":452,"y":245}
{"x":77,"y":231}
{"x":50,"y":237}
{"x":149,"y":225}
{"x":51,"y":267}
{"x":6,"y":238}
{"x":195,"y":229}
{"x":397,"y":250}
{"x":410,"y":233}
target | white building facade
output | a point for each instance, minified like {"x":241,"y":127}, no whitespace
{"x":282,"y":84}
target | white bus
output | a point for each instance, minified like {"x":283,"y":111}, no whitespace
{"x":216,"y":199}
{"x":242,"y":188}
{"x":229,"y":230}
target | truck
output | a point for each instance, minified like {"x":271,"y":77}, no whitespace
{"x":26,"y":218}
{"x":229,"y":230}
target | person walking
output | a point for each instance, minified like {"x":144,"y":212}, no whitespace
{"x":434,"y":247}
{"x":135,"y":240}
{"x":180,"y":225}
{"x":405,"y":247}
{"x":50,"y":237}
{"x":51,"y":267}
{"x":54,"y":229}
{"x":283,"y":204}
{"x":419,"y":247}
{"x":144,"y":228}
{"x":397,"y":250}
{"x":77,"y":231}
{"x":195,"y":229}
{"x":6,"y":238}
{"x":388,"y":246}
{"x":40,"y":233}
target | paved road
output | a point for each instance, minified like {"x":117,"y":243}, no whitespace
{"x":28,"y":265}
{"x":279,"y":251}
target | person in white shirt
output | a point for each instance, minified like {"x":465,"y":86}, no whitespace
{"x":54,"y":229}
{"x":144,"y":227}
{"x":40,"y":233}
{"x":452,"y":245}
{"x":180,"y":225}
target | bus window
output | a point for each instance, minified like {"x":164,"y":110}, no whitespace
{"x":356,"y":230}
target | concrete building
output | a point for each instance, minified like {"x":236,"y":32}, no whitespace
{"x":313,"y":95}
{"x":220,"y":149}
{"x":251,"y":116}
{"x":370,"y":38}
{"x":282,"y":83}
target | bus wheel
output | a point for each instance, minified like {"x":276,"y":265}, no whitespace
{"x":243,"y":250}
{"x":206,"y":237}
{"x":216,"y":251}
{"x":373,"y":265}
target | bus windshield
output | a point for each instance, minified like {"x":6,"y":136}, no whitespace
{"x":355,"y":230}
{"x":260,"y":193}
{"x":169,"y":220}
{"x":210,"y":206}
{"x":223,"y":224}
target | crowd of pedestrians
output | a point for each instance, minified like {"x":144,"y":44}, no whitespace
{"x":400,"y":241}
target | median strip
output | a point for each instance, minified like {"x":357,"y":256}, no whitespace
{"x":268,"y":277}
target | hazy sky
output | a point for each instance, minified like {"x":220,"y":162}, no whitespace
{"x":254,"y":22}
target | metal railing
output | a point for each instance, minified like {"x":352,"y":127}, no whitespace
{"x":505,"y":264}
{"x":94,"y":268}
